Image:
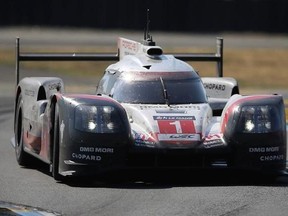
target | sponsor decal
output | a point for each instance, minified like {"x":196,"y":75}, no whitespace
{"x":213,"y":140}
{"x":86,"y":157}
{"x":144,"y":143}
{"x":55,"y":86}
{"x":178,"y":137}
{"x":142,"y":139}
{"x":97,"y":150}
{"x":213,"y":144}
{"x":272,"y":157}
{"x":213,"y":137}
{"x":193,"y":107}
{"x":213,"y":86}
{"x":85,"y":153}
{"x":30,"y":93}
{"x":174,"y":118}
{"x":129,"y":47}
{"x":273,"y":149}
{"x":263,"y":149}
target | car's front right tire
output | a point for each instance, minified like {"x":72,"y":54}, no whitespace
{"x":55,"y":150}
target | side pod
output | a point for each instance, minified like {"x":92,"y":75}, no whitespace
{"x":255,"y":128}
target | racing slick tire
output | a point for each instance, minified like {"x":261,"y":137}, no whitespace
{"x":55,"y":150}
{"x":23,"y":158}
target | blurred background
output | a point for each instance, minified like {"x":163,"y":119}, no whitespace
{"x":166,"y":15}
{"x":255,"y":35}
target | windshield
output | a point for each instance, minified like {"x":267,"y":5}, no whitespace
{"x":176,"y":91}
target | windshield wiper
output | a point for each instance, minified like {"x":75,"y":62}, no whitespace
{"x":165,"y":93}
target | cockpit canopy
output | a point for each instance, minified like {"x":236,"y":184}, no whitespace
{"x":159,"y":88}
{"x":142,"y":78}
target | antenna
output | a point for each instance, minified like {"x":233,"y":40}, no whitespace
{"x":147,"y":37}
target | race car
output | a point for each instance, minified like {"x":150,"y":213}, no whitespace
{"x":150,"y":111}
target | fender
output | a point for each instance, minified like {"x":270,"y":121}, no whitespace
{"x":237,"y":106}
{"x":219,"y":90}
{"x":35,"y":93}
{"x":85,"y":134}
{"x":255,"y":127}
{"x":35,"y":90}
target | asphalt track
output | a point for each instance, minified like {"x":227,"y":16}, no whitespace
{"x":174,"y":193}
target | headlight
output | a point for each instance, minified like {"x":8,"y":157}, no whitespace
{"x":97,"y":119}
{"x":259,"y":119}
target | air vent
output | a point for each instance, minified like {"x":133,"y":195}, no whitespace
{"x":154,"y":51}
{"x":147,"y":66}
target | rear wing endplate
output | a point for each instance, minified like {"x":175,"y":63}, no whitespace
{"x":203,"y":57}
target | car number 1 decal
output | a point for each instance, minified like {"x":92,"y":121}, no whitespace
{"x":177,"y":128}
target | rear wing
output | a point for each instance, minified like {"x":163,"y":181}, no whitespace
{"x":203,"y":57}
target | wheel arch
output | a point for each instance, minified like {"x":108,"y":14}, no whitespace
{"x":53,"y":102}
{"x":235,"y":90}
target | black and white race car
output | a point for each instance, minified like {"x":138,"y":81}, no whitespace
{"x":150,"y":110}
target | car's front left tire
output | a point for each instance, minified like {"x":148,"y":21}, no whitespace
{"x":22,"y":157}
